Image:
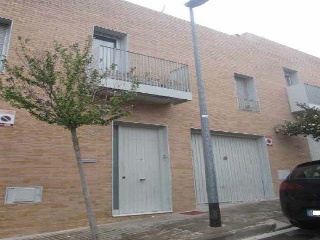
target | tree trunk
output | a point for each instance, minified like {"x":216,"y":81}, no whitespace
{"x":86,"y":194}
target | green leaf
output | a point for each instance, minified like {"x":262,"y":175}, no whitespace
{"x":59,"y":86}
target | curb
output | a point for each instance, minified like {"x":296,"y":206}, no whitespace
{"x":242,"y":233}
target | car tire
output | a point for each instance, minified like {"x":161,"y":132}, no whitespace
{"x":303,"y":225}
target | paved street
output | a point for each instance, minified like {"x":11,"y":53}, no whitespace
{"x":291,"y":233}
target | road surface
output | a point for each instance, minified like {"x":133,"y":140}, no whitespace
{"x":291,"y":233}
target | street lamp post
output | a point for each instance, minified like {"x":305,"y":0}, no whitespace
{"x":211,"y":183}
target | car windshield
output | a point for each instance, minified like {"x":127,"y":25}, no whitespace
{"x":306,"y":172}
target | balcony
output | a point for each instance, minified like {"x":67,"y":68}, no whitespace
{"x":248,"y":105}
{"x":303,"y":93}
{"x":160,"y":81}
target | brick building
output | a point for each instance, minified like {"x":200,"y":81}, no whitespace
{"x":151,"y":161}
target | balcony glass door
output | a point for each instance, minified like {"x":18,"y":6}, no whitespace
{"x":107,"y":54}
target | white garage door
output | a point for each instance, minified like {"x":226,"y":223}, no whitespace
{"x":242,"y":168}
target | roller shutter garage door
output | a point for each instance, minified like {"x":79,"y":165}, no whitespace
{"x":242,"y":168}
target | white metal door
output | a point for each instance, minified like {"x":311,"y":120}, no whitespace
{"x":107,"y":54}
{"x":144,"y":185}
{"x":238,"y":169}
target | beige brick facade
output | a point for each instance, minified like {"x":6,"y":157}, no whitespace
{"x":33,"y":153}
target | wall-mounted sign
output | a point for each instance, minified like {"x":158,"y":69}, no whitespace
{"x":7,"y":117}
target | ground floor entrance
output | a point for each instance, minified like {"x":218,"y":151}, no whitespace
{"x":242,"y":167}
{"x":141,"y":170}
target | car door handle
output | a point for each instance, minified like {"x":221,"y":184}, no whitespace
{"x":142,"y":179}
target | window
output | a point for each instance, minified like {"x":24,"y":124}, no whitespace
{"x":110,"y":50}
{"x":5,"y":27}
{"x":307,"y":172}
{"x":291,"y":77}
{"x":246,"y":93}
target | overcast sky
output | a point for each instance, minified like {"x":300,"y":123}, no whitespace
{"x":294,"y":23}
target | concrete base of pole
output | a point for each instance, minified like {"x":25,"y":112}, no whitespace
{"x":214,"y":215}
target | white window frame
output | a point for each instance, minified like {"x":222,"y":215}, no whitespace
{"x":288,"y":79}
{"x":121,"y":40}
{"x":97,"y":44}
{"x":5,"y":49}
{"x":250,"y":101}
{"x":291,"y":77}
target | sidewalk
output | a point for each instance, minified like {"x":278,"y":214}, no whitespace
{"x":239,"y":221}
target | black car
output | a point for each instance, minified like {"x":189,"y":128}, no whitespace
{"x":300,"y":195}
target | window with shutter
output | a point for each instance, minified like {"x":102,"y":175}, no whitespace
{"x":246,"y":93}
{"x":291,"y":77}
{"x":5,"y":26}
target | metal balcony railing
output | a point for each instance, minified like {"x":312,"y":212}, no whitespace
{"x":128,"y":66}
{"x":249,"y":105}
{"x":305,"y":94}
